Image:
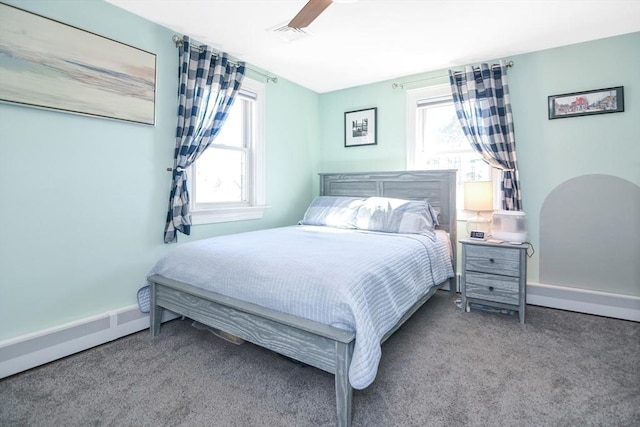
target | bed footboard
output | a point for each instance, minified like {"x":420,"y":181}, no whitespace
{"x":315,"y":344}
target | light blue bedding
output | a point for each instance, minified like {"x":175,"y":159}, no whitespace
{"x":355,"y":280}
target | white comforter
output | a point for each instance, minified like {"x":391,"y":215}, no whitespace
{"x":354,"y":280}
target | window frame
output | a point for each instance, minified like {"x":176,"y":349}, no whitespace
{"x":439,"y":93}
{"x":255,"y":205}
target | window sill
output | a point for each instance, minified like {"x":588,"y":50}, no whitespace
{"x":212,"y":216}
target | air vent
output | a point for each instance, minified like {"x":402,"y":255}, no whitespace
{"x":288,"y":33}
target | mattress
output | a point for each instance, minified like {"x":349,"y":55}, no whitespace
{"x":360,"y":281}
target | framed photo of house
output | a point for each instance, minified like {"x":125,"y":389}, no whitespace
{"x":599,"y":101}
{"x":52,"y":65}
{"x":360,"y":127}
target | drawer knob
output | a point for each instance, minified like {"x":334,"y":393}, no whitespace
{"x":491,"y":260}
{"x":491,"y":288}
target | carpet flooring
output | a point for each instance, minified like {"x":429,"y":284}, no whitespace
{"x":444,"y":367}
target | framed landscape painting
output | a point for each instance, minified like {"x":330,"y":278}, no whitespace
{"x":48,"y":64}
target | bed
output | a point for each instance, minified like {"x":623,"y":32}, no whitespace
{"x":304,"y":334}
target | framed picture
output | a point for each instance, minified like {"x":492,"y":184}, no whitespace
{"x":360,"y":127}
{"x":52,"y":65}
{"x":599,"y":101}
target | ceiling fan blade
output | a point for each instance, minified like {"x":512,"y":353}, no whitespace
{"x":309,"y":12}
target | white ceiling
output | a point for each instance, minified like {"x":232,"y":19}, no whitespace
{"x":375,"y":40}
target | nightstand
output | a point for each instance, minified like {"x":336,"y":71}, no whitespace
{"x":494,"y":275}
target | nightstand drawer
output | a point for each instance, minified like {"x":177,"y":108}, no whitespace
{"x":492,"y":288}
{"x":493,"y":260}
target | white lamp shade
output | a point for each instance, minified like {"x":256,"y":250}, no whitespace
{"x":478,"y":196}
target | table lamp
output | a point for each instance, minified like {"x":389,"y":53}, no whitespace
{"x":478,"y":197}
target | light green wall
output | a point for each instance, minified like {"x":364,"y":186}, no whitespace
{"x":550,"y":152}
{"x":388,"y":154}
{"x":83,"y":200}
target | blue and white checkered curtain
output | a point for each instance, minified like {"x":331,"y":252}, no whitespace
{"x":209,"y":83}
{"x":481,"y":98}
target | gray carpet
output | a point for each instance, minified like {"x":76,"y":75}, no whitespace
{"x":442,"y":368}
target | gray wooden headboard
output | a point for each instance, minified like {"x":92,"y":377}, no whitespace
{"x":438,"y":187}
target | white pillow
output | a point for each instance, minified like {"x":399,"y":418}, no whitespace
{"x":396,"y":216}
{"x":333,"y":211}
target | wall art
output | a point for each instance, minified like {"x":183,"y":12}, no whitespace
{"x":48,"y":64}
{"x":599,"y":101}
{"x":360,"y":127}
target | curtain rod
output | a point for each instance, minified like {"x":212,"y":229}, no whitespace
{"x":178,"y":41}
{"x":401,"y":85}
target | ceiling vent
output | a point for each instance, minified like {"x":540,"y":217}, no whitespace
{"x":289,"y":33}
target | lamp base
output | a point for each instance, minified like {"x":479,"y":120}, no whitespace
{"x":479,"y":223}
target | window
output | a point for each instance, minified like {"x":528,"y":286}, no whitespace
{"x":227,"y":180}
{"x":435,"y":139}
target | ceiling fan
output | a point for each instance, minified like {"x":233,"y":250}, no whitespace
{"x":295,"y":29}
{"x":309,"y":13}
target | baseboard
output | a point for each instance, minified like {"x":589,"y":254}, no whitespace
{"x":599,"y":303}
{"x":31,"y":350}
{"x":28,"y":351}
{"x":584,"y":301}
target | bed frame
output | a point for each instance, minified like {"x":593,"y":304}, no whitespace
{"x":322,"y":346}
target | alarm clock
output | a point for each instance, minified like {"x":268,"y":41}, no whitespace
{"x":478,"y":235}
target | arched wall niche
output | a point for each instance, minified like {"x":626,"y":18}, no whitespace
{"x":590,"y":235}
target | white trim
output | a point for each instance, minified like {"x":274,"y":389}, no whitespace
{"x":28,"y":351}
{"x":413,"y":97}
{"x":607,"y":304}
{"x":618,"y":306}
{"x":256,"y":175}
{"x":229,"y":214}
{"x":260,"y":149}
